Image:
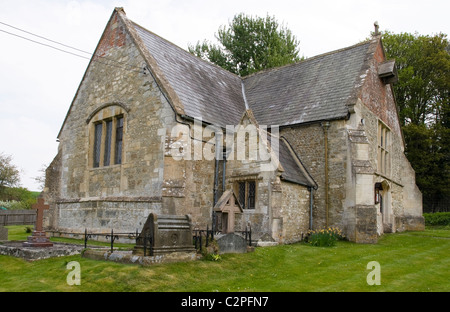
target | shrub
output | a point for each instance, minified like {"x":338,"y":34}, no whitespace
{"x":18,"y":205}
{"x":13,"y":205}
{"x":437,"y":218}
{"x":325,"y":237}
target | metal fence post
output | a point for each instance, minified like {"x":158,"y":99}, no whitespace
{"x":85,"y":238}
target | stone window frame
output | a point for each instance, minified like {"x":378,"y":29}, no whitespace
{"x":246,"y":183}
{"x":384,"y":139}
{"x":107,"y":115}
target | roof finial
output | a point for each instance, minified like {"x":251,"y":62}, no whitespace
{"x":377,"y":26}
{"x":120,"y":9}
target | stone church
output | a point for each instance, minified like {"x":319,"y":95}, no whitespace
{"x":154,"y":129}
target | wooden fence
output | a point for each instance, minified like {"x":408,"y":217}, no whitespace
{"x":18,"y":217}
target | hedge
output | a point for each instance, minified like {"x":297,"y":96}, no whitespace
{"x":437,"y":218}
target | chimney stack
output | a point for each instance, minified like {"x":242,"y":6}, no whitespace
{"x":377,"y":32}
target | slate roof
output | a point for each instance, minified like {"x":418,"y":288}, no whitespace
{"x":205,"y":90}
{"x":318,"y":88}
{"x":293,"y":171}
{"x":315,"y":89}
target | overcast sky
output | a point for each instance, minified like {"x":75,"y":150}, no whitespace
{"x":37,"y":83}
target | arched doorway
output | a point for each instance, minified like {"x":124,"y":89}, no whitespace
{"x":383,"y":200}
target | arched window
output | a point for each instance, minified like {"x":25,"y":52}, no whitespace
{"x":106,"y":126}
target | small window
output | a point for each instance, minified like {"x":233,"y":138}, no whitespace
{"x":247,"y":194}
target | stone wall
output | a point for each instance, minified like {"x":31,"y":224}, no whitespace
{"x":294,"y":212}
{"x":308,"y":141}
{"x":352,"y":165}
{"x":188,"y":184}
{"x":401,"y":199}
{"x":399,"y":181}
{"x":281,"y":208}
{"x":118,"y":196}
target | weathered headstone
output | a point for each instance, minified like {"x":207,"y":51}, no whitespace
{"x":38,"y":238}
{"x":232,"y":243}
{"x":3,"y":234}
{"x":168,"y":233}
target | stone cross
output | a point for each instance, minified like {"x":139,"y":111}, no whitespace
{"x":38,"y":239}
{"x":40,"y":207}
{"x":229,"y":206}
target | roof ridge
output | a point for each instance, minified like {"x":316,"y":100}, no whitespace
{"x":368,"y":41}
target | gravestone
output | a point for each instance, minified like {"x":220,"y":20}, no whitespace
{"x":38,"y":238}
{"x":232,"y":243}
{"x":3,"y":234}
{"x":168,"y":233}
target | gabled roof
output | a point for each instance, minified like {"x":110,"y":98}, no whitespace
{"x":315,"y":89}
{"x":318,"y":88}
{"x":204,"y":89}
{"x":282,"y":155}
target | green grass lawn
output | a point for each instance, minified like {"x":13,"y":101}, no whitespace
{"x":410,"y":261}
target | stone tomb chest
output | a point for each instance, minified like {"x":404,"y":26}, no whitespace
{"x":164,"y":234}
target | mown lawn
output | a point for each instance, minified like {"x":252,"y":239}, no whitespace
{"x":410,"y":261}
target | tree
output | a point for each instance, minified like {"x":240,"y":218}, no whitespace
{"x":249,"y":45}
{"x":423,"y":64}
{"x":422,"y":95}
{"x":9,"y":174}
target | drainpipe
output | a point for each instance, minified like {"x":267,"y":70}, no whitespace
{"x":325,"y":125}
{"x":223,"y":170}
{"x":311,"y":201}
{"x":218,"y":150}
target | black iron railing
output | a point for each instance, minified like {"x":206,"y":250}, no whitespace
{"x":147,"y":243}
{"x":111,"y":237}
{"x":147,"y":240}
{"x":208,"y":236}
